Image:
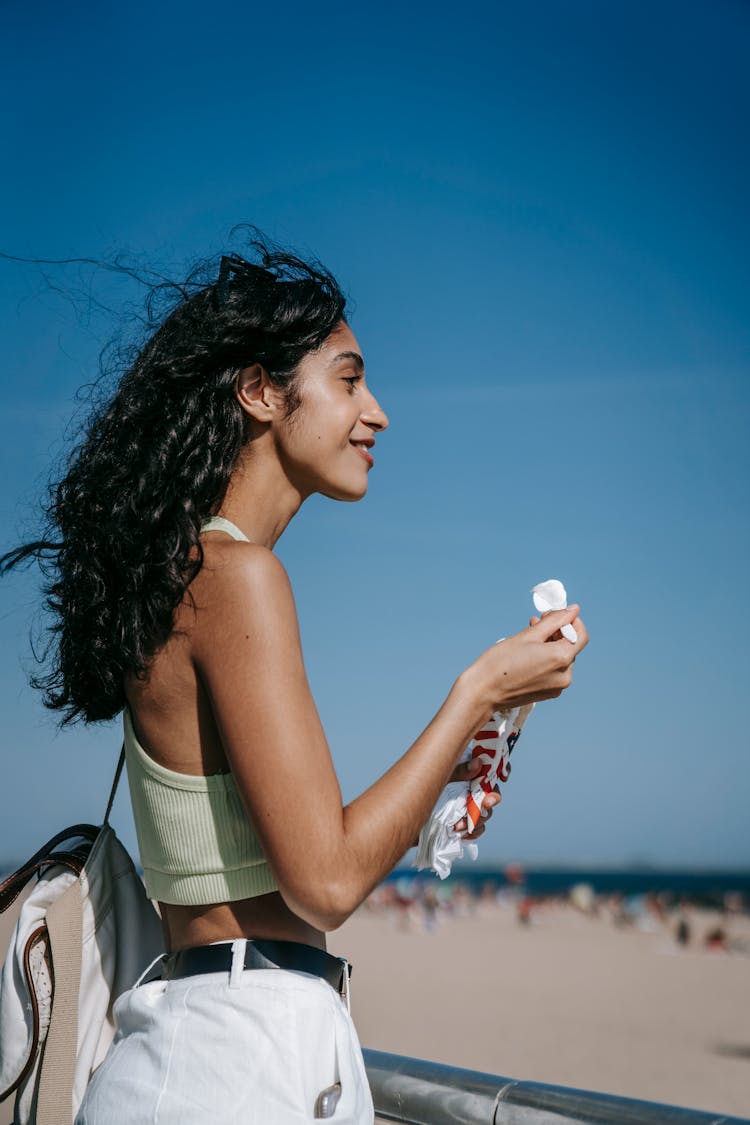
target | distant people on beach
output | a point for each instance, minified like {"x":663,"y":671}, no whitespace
{"x":682,"y":929}
{"x":716,"y":940}
{"x":523,"y":911}
{"x":417,"y":906}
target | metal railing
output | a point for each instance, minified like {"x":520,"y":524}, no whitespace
{"x":417,"y":1092}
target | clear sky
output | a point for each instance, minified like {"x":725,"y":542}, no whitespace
{"x":540,"y":212}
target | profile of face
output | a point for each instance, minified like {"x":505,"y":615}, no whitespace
{"x":326,"y":444}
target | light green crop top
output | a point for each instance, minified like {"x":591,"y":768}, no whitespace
{"x":196,"y":842}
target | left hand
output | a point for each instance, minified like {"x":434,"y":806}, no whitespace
{"x":468,"y":771}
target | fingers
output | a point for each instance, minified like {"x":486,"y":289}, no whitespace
{"x":583,"y":634}
{"x":467,"y":771}
{"x":570,"y":650}
{"x":461,"y":826}
{"x":490,"y":801}
{"x":478,"y":831}
{"x":551,"y":623}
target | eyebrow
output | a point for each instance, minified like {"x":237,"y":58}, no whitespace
{"x":354,"y":357}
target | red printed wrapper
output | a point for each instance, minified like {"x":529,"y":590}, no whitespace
{"x":493,"y":745}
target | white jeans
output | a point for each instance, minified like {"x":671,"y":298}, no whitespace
{"x":255,"y":1045}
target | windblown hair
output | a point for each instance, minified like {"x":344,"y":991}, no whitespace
{"x":121,"y":542}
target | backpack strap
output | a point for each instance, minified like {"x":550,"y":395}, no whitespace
{"x":65,"y":926}
{"x":57,"y":1072}
{"x":115,"y":783}
{"x":73,"y":858}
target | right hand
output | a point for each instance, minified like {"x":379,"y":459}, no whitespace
{"x":535,"y":664}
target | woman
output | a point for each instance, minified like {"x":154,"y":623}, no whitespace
{"x":172,"y":608}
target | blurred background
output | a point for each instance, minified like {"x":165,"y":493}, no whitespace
{"x":540,"y":213}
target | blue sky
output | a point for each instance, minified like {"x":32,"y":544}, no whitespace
{"x":540,"y":213}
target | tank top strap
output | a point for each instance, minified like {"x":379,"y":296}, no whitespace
{"x":219,"y":523}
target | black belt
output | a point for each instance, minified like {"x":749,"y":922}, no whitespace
{"x":260,"y":954}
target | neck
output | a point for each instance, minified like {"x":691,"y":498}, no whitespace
{"x":261,"y":500}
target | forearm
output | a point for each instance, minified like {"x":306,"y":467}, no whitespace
{"x":381,"y":824}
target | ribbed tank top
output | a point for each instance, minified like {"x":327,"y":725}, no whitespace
{"x":196,"y":842}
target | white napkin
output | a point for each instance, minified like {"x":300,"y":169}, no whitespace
{"x":439,"y":844}
{"x":551,"y":595}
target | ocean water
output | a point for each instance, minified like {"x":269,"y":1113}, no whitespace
{"x":708,"y":886}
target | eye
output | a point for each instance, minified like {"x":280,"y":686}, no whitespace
{"x":352,"y":381}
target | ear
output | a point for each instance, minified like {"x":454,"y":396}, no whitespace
{"x":256,"y":394}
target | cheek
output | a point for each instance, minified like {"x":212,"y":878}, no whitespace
{"x":321,"y":426}
{"x":308,"y":438}
{"x":324,"y":424}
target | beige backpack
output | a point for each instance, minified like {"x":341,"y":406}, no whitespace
{"x":84,"y":935}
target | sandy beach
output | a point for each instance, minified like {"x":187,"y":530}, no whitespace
{"x":568,"y":998}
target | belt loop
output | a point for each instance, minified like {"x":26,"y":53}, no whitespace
{"x":347,"y":973}
{"x":238,"y":962}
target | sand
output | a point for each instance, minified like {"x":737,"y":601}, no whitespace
{"x":570,"y":999}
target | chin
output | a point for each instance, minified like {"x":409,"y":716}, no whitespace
{"x":345,"y":495}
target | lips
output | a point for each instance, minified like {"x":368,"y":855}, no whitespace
{"x":363,"y":447}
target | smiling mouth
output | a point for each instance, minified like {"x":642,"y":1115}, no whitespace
{"x":363,"y":447}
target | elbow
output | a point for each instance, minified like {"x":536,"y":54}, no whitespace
{"x":341,"y":903}
{"x":324,"y":904}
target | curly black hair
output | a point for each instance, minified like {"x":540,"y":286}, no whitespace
{"x":121,"y":542}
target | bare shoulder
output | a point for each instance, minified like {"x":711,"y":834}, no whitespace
{"x":241,"y":590}
{"x":243,"y":567}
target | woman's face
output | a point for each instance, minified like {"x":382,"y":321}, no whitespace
{"x":326,"y":445}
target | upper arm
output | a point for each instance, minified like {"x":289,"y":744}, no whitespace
{"x":248,"y":655}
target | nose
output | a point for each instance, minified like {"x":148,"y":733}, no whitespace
{"x":372,"y":413}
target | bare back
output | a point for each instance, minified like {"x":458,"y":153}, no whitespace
{"x":174,"y":723}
